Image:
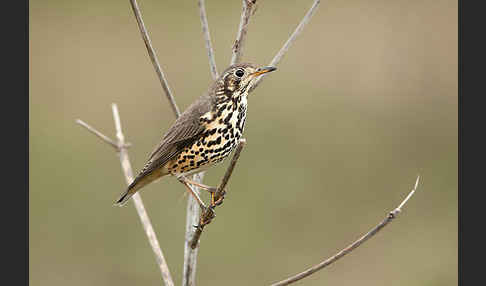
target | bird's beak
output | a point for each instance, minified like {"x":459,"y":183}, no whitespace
{"x":263,"y":70}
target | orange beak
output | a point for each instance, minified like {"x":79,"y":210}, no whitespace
{"x":263,"y":70}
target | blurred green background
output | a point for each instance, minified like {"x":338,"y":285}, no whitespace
{"x":364,"y":101}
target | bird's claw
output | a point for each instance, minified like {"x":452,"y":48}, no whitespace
{"x":219,"y":201}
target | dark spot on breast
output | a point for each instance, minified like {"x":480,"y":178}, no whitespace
{"x":228,"y":144}
{"x":228,"y":117}
{"x":243,"y":90}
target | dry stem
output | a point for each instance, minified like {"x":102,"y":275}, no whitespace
{"x":153,"y":57}
{"x":207,"y":39}
{"x":237,"y":50}
{"x":100,"y":135}
{"x":391,"y":215}
{"x":291,"y":39}
{"x":121,"y":147}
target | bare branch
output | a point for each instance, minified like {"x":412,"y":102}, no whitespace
{"x":121,"y":147}
{"x":291,"y":39}
{"x":153,"y":57}
{"x":391,"y":215}
{"x":237,"y":50}
{"x":207,"y":39}
{"x":190,"y":254}
{"x":219,"y":193}
{"x":137,"y":201}
{"x":100,"y":135}
{"x":208,"y":213}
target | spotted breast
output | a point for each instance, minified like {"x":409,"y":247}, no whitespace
{"x":223,"y":127}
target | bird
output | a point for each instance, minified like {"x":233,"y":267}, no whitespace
{"x":205,"y":133}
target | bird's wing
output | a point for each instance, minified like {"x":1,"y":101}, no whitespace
{"x":185,"y":130}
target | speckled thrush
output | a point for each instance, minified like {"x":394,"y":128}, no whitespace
{"x":205,"y":133}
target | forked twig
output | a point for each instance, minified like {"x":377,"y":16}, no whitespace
{"x":100,"y":135}
{"x":121,"y":147}
{"x":208,"y":214}
{"x":207,"y":39}
{"x":291,"y":39}
{"x":391,"y":215}
{"x":237,"y":50}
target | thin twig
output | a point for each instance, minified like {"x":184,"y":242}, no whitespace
{"x":137,"y":201}
{"x":219,"y":193}
{"x":98,"y":133}
{"x":207,"y":39}
{"x":153,"y":57}
{"x":190,"y":254}
{"x":291,"y":39}
{"x":391,"y":215}
{"x":237,"y":50}
{"x":208,"y":213}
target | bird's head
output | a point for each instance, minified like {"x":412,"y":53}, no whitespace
{"x":239,"y":79}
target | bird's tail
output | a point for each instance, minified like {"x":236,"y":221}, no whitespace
{"x":140,"y":181}
{"x":130,"y":191}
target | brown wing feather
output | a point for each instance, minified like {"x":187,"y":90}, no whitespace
{"x":182,"y":133}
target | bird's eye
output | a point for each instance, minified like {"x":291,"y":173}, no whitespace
{"x":239,"y":73}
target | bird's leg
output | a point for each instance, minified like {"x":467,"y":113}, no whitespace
{"x":211,"y":190}
{"x":191,"y":191}
{"x":202,"y":186}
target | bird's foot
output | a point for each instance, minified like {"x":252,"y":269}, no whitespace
{"x":206,"y":217}
{"x":219,"y":200}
